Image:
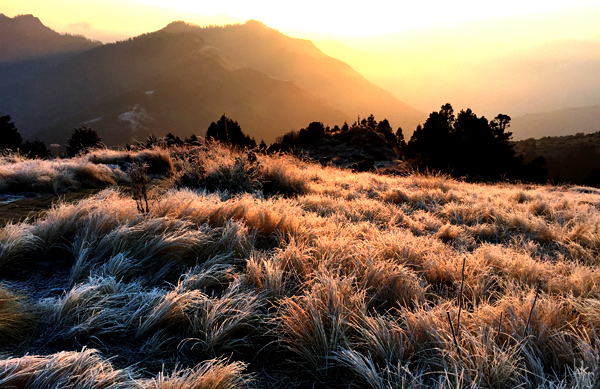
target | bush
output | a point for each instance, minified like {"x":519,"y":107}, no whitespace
{"x":82,"y":140}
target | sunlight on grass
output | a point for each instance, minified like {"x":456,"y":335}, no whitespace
{"x":292,"y":274}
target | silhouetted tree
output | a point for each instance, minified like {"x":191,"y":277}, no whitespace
{"x":468,"y":145}
{"x":82,"y":140}
{"x":371,"y":122}
{"x":592,"y":179}
{"x":9,"y":135}
{"x":400,"y":139}
{"x":383,"y":126}
{"x":173,"y":140}
{"x":227,"y":131}
{"x":35,"y":149}
{"x":432,"y":143}
{"x":535,"y":171}
{"x":345,"y":127}
{"x":312,"y":133}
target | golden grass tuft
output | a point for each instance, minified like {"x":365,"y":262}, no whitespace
{"x":212,"y":374}
{"x":67,"y":369}
{"x":16,"y":317}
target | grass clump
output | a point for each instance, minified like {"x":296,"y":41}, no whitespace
{"x":16,"y":317}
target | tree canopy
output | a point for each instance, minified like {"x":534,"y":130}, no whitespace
{"x":228,"y":131}
{"x":9,"y":135}
{"x":82,"y":140}
{"x":466,"y":145}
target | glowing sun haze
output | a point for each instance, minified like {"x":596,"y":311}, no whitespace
{"x":313,"y":19}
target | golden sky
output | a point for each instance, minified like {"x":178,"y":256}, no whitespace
{"x":502,"y":56}
{"x":312,"y":19}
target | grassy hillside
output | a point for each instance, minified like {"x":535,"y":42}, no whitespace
{"x":269,"y":271}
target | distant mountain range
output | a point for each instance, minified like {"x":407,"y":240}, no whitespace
{"x":181,"y":78}
{"x":567,"y":121}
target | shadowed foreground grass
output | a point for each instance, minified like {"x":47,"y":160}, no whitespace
{"x":266,"y":271}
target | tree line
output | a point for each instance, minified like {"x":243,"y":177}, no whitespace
{"x":462,"y":145}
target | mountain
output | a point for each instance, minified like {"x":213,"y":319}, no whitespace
{"x":567,"y":121}
{"x":27,"y":47}
{"x":182,"y":77}
{"x":571,"y":159}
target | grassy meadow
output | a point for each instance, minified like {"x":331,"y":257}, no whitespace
{"x":270,"y":271}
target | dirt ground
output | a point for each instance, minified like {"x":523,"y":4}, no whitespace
{"x":20,"y":210}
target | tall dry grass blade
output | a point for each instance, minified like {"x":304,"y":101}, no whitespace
{"x":537,"y":291}
{"x":499,"y":326}
{"x":460,"y":296}
{"x":453,"y":333}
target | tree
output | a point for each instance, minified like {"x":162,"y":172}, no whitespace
{"x":228,"y":131}
{"x":82,"y":140}
{"x":173,"y":140}
{"x":432,"y":143}
{"x":312,"y":133}
{"x":384,"y":126}
{"x":467,"y":145}
{"x":9,"y":135}
{"x":371,"y":122}
{"x":35,"y":149}
{"x":400,"y":138}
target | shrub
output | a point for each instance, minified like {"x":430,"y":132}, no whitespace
{"x":82,"y":140}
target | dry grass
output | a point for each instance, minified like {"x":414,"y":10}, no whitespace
{"x":276,"y":272}
{"x":16,"y":316}
{"x":57,"y":176}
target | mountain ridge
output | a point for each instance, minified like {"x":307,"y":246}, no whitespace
{"x":28,"y":47}
{"x":269,"y":82}
{"x":35,"y":39}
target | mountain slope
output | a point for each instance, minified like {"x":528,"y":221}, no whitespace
{"x":571,"y":159}
{"x":568,"y":121}
{"x":28,"y":47}
{"x":301,"y":62}
{"x":181,"y":78}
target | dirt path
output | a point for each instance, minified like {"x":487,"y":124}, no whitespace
{"x":19,"y":210}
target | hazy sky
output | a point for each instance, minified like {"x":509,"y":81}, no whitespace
{"x":510,"y":56}
{"x":313,"y":19}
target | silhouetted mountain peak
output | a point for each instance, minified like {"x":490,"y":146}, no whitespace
{"x":23,"y":23}
{"x":26,"y":37}
{"x":257,"y":25}
{"x":180,"y":26}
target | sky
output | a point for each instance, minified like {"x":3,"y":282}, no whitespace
{"x":108,"y":20}
{"x":510,"y":56}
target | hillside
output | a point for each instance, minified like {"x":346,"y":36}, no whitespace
{"x":181,"y":78}
{"x":570,"y":159}
{"x":27,"y":47}
{"x":268,"y":271}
